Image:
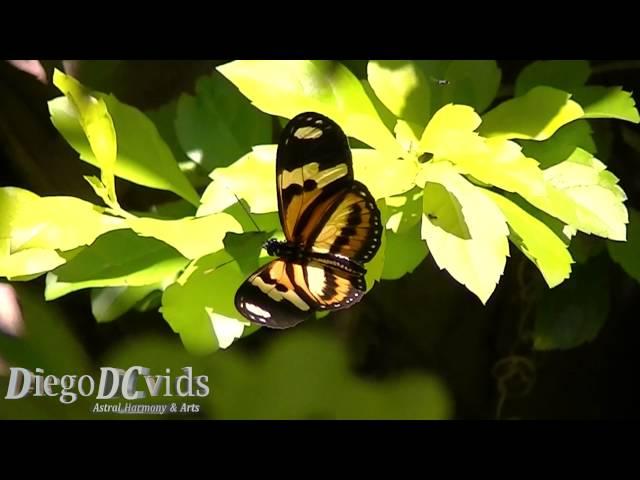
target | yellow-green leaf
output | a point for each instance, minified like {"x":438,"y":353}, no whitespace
{"x":407,"y":138}
{"x":404,"y":90}
{"x":52,"y":223}
{"x":5,"y":247}
{"x":561,"y":144}
{"x":536,"y":240}
{"x":404,"y":211}
{"x":607,"y":102}
{"x":116,"y":258}
{"x":564,"y":75}
{"x":97,"y":125}
{"x":535,"y":115}
{"x":501,"y":163}
{"x":403,"y":253}
{"x":109,"y":303}
{"x":218,"y":125}
{"x":199,"y":306}
{"x":450,"y":132}
{"x":142,"y":157}
{"x":252,"y":178}
{"x":100,"y":189}
{"x":288,"y":87}
{"x":226,"y":329}
{"x":28,"y":262}
{"x":382,"y":174}
{"x":444,"y":210}
{"x":245,"y":249}
{"x":580,"y":192}
{"x":388,"y":118}
{"x":594,"y":191}
{"x":476,"y":262}
{"x":192,"y":237}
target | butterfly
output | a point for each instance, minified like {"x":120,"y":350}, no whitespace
{"x":331,"y":226}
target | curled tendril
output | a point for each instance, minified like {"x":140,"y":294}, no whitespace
{"x":515,"y":376}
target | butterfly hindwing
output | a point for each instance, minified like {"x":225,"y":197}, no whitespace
{"x":313,"y":165}
{"x":269,"y":297}
{"x":352,"y":229}
{"x":282,"y":294}
{"x":330,"y":287}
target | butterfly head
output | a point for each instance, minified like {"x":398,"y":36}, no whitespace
{"x":284,"y":250}
{"x":273,"y":247}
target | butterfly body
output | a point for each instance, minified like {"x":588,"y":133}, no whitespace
{"x":284,"y":250}
{"x":331,"y":225}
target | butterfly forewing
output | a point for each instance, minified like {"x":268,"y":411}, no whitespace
{"x":313,"y":165}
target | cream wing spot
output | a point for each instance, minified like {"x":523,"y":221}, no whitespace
{"x":329,"y":175}
{"x":311,"y":171}
{"x":293,"y":177}
{"x":316,"y":278}
{"x":307,"y":133}
{"x":289,"y":295}
{"x":256,"y":310}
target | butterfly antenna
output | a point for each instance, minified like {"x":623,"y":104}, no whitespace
{"x":247,"y":212}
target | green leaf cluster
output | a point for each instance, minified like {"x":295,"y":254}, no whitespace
{"x":456,"y":173}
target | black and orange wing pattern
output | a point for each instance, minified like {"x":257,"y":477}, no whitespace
{"x":313,"y":166}
{"x":329,"y":216}
{"x":282,"y":294}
